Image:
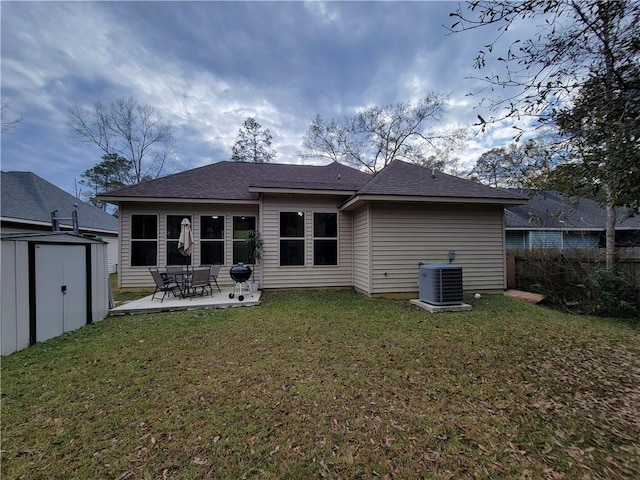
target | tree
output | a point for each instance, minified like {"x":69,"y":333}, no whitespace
{"x":253,"y":144}
{"x":603,"y":128}
{"x":517,"y":165}
{"x":581,"y":70}
{"x":494,"y":167}
{"x":373,"y":138}
{"x":5,"y":123}
{"x":129,"y":130}
{"x":109,"y":174}
{"x":573,"y":40}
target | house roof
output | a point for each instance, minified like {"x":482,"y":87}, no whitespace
{"x":231,"y":181}
{"x":407,"y":179}
{"x":547,"y":209}
{"x":242,"y":181}
{"x":27,"y":198}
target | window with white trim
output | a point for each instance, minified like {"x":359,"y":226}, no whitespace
{"x":325,"y":239}
{"x":211,"y":239}
{"x":174,"y":257}
{"x":144,"y":240}
{"x":241,"y":227}
{"x":291,"y":238}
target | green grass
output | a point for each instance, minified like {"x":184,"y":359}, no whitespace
{"x":328,"y":385}
{"x":127,"y":294}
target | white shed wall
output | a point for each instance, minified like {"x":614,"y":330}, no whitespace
{"x":14,"y":290}
{"x":99,"y":282}
{"x":16,"y":284}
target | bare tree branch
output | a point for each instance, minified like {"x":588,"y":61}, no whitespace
{"x":131,"y":130}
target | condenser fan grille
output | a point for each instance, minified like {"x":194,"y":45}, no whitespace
{"x":440,"y":284}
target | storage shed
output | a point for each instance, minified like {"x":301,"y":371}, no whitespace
{"x":50,"y":284}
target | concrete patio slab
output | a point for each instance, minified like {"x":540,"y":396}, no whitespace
{"x":462,"y":307}
{"x":171,"y":303}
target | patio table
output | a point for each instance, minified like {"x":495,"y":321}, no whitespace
{"x":182,"y":278}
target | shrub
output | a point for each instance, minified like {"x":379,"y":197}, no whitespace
{"x":614,"y":294}
{"x":575,"y":280}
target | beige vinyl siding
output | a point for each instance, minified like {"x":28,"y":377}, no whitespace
{"x":276,"y":276}
{"x":139,"y":276}
{"x":362,"y":250}
{"x":402,"y":235}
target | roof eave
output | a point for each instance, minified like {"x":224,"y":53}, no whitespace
{"x":569,"y":228}
{"x":117,"y":200}
{"x":301,"y":191}
{"x":357,"y":200}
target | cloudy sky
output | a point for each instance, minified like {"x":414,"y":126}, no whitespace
{"x":206,"y":66}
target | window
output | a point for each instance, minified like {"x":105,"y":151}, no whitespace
{"x":211,"y":239}
{"x":291,"y":238}
{"x":174,"y":257}
{"x":325,"y":239}
{"x":241,"y":226}
{"x":546,"y":239}
{"x":144,"y":240}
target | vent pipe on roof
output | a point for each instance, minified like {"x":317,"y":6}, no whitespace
{"x":55,"y":221}
{"x":433,"y":174}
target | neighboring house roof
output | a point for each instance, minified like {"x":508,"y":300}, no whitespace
{"x":231,"y":181}
{"x":29,"y":199}
{"x":547,"y":209}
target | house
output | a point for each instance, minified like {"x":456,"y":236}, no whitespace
{"x":27,"y":203}
{"x":553,"y":220}
{"x":322,"y":226}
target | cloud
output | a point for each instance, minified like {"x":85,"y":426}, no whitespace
{"x":206,"y":66}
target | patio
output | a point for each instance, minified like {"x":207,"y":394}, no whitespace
{"x":171,"y":303}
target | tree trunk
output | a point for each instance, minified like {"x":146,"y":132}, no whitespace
{"x":610,"y":251}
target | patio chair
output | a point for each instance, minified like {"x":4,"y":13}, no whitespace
{"x":213,"y":276}
{"x":200,"y":279}
{"x":163,"y":285}
{"x":175,"y":273}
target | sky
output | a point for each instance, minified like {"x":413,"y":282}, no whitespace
{"x":207,"y":66}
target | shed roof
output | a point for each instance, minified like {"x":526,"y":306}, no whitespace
{"x":51,"y":237}
{"x":27,"y":197}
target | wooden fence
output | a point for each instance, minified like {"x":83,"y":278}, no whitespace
{"x":628,"y":261}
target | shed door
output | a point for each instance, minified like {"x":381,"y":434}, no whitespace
{"x":61,"y":289}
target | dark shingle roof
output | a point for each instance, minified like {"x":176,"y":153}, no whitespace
{"x":232,"y":180}
{"x":240,"y":181}
{"x":25,"y":196}
{"x":407,"y":179}
{"x":550,"y":209}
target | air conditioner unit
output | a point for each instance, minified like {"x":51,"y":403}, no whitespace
{"x":440,"y":283}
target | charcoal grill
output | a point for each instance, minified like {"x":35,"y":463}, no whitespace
{"x":240,"y":273}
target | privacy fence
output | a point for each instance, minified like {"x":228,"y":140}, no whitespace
{"x":577,"y":280}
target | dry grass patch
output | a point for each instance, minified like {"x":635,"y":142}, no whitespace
{"x":328,"y":384}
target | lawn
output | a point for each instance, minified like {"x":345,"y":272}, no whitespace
{"x":328,"y":385}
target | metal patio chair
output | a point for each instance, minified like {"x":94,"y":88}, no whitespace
{"x":213,"y":276}
{"x":164,"y":285}
{"x":200,"y":279}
